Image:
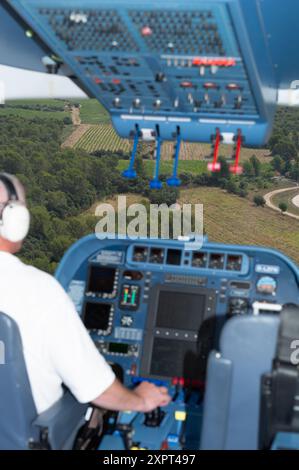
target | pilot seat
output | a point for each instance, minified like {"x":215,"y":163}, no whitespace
{"x":21,"y":428}
{"x":248,"y":407}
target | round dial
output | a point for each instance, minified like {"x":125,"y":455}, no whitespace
{"x":266,"y":285}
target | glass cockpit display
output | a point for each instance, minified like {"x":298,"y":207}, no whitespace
{"x":97,"y":316}
{"x":101,"y":280}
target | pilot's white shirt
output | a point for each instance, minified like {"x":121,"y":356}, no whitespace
{"x":56,"y":345}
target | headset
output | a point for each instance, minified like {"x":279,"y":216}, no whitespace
{"x":14,"y":215}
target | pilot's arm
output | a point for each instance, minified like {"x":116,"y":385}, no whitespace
{"x":74,"y":357}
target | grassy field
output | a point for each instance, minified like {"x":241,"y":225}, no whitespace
{"x":231,"y":219}
{"x":54,"y":103}
{"x":92,"y":112}
{"x":185,"y":166}
{"x":15,"y":108}
{"x":287,"y":198}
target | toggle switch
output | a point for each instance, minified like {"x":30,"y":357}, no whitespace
{"x":116,"y":102}
{"x":238,"y":102}
{"x":160,"y":77}
{"x":136,"y":103}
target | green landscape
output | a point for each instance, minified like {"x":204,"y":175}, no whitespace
{"x":44,"y":143}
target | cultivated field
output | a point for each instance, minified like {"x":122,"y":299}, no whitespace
{"x":103,"y":137}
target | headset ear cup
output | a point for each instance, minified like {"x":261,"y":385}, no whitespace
{"x":15,"y":222}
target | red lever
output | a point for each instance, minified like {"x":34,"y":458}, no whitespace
{"x":215,"y":165}
{"x":236,"y":168}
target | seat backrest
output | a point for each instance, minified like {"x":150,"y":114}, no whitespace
{"x":232,"y":399}
{"x":17,"y":409}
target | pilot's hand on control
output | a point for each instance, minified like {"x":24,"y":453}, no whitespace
{"x":152,"y":396}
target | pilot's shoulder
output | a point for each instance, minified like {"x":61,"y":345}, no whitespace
{"x":43,"y":281}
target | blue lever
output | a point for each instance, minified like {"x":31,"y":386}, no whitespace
{"x":174,"y":180}
{"x":130,"y":173}
{"x":156,"y":183}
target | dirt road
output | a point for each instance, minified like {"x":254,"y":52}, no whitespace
{"x":295,"y":201}
{"x":269,"y":203}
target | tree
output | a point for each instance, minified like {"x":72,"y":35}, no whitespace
{"x":259,"y":200}
{"x":165,"y":195}
{"x":224,"y":171}
{"x":286,"y":149}
{"x":57,"y":203}
{"x":294,"y":172}
{"x":231,"y":186}
{"x":41,"y":226}
{"x":278,"y":164}
{"x":248,"y":169}
{"x":67,"y":121}
{"x":283,"y":207}
{"x":274,"y":139}
{"x":256,"y":165}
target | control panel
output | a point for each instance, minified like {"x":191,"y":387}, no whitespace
{"x":162,"y":66}
{"x":156,"y":309}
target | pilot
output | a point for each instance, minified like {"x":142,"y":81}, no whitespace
{"x":56,"y":345}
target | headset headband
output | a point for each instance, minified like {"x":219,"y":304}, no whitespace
{"x":12,"y":193}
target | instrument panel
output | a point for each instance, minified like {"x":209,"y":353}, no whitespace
{"x":157,"y":309}
{"x":186,"y":65}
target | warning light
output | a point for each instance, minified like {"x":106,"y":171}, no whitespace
{"x":233,"y":86}
{"x":186,"y":84}
{"x":29,"y":34}
{"x":211,"y":86}
{"x":146,"y":31}
{"x":217,"y":61}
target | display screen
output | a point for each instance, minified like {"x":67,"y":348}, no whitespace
{"x":101,"y":280}
{"x":173,"y":358}
{"x":180,"y":311}
{"x":96,"y":316}
{"x":120,"y":348}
